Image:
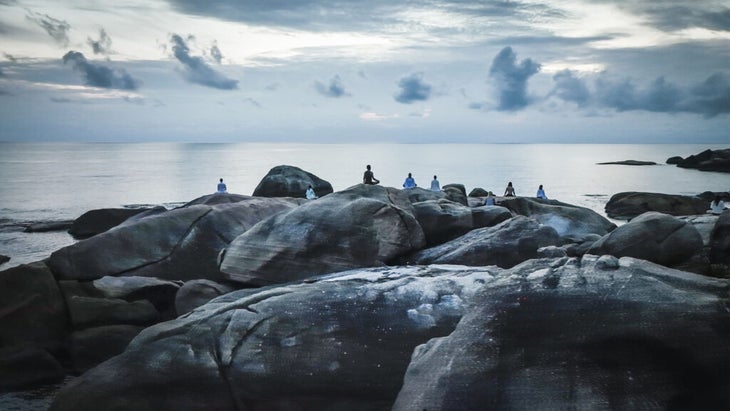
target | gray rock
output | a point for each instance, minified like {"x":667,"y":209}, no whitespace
{"x":551,"y":251}
{"x":196,"y":293}
{"x":720,"y":240}
{"x":160,"y":293}
{"x":4,"y":259}
{"x":456,"y":193}
{"x":89,"y":312}
{"x":655,"y":237}
{"x":290,"y":181}
{"x":218,"y":198}
{"x":32,"y":309}
{"x":181,"y":244}
{"x":628,"y":205}
{"x":444,"y":220}
{"x":363,"y":226}
{"x":93,"y":346}
{"x":505,"y":245}
{"x":704,"y":224}
{"x":478,"y":192}
{"x":576,"y":336}
{"x":47,"y":226}
{"x":418,"y":195}
{"x":336,"y":342}
{"x":26,"y":366}
{"x":98,"y":221}
{"x":629,"y":163}
{"x":568,"y":220}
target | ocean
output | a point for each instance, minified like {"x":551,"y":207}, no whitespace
{"x":42,"y":182}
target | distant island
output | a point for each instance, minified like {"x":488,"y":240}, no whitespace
{"x":630,"y":163}
{"x":708,"y":160}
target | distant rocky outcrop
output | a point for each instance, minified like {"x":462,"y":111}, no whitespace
{"x":478,"y":192}
{"x":363,"y":226}
{"x":708,"y":160}
{"x":48,"y":226}
{"x":456,"y":193}
{"x":562,"y":333}
{"x":290,"y":181}
{"x":652,"y":236}
{"x":630,"y":204}
{"x":629,"y":163}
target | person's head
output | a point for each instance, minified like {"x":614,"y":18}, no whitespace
{"x":434,"y":177}
{"x":310,"y":186}
{"x":540,"y":187}
{"x":221,"y":180}
{"x":367,"y":166}
{"x":717,"y":199}
{"x":409,"y":175}
{"x":509,"y":184}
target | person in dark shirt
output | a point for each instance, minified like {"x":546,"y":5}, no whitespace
{"x":369,"y":177}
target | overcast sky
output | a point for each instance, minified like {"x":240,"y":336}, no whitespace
{"x":627,"y":71}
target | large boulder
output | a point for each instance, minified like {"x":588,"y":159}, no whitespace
{"x":595,"y":333}
{"x":363,"y":226}
{"x":505,"y":245}
{"x":218,"y":198}
{"x":628,"y":205}
{"x":334,"y":342}
{"x":418,"y":194}
{"x":88,"y":312}
{"x":456,"y":193}
{"x":98,"y":221}
{"x":655,"y":237}
{"x":27,"y":366}
{"x":290,"y":181}
{"x":444,"y":220}
{"x":32,"y":308}
{"x":581,"y":334}
{"x":195,"y":293}
{"x":708,"y":160}
{"x":704,"y":223}
{"x":720,"y":240}
{"x":92,"y":346}
{"x":567,"y":219}
{"x":181,"y":244}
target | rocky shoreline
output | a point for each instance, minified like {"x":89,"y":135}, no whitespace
{"x":377,"y":298}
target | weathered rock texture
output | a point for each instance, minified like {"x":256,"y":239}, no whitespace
{"x":596,"y":333}
{"x":195,"y":293}
{"x":505,"y":245}
{"x":181,"y":244}
{"x":568,"y":220}
{"x":98,"y":221}
{"x":628,"y":205}
{"x":290,"y":181}
{"x":444,"y":220}
{"x":363,"y":226}
{"x":580,"y":335}
{"x":656,"y":237}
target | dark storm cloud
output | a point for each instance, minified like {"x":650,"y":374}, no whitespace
{"x":335,"y":88}
{"x":412,"y":89}
{"x":672,"y":15}
{"x":196,"y":70}
{"x":708,"y":98}
{"x":97,"y":75}
{"x":511,"y":79}
{"x":58,"y":29}
{"x":101,"y":46}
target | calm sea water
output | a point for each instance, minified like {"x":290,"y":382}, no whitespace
{"x":59,"y":181}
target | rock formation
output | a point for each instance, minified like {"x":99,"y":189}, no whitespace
{"x":290,"y":181}
{"x":628,"y":205}
{"x":708,"y":160}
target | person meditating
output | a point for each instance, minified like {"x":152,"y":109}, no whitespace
{"x":509,"y":191}
{"x":435,"y":186}
{"x":541,"y":193}
{"x":310,"y":194}
{"x":222,"y":186}
{"x":410,"y":182}
{"x":368,"y":177}
{"x":717,"y":206}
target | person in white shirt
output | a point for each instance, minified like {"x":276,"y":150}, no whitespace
{"x":717,"y":206}
{"x":435,"y":186}
{"x":310,"y":194}
{"x":222,"y":186}
{"x":541,"y":193}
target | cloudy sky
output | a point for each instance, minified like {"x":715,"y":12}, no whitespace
{"x":376,"y":70}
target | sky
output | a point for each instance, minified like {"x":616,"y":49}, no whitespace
{"x":431,"y":71}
